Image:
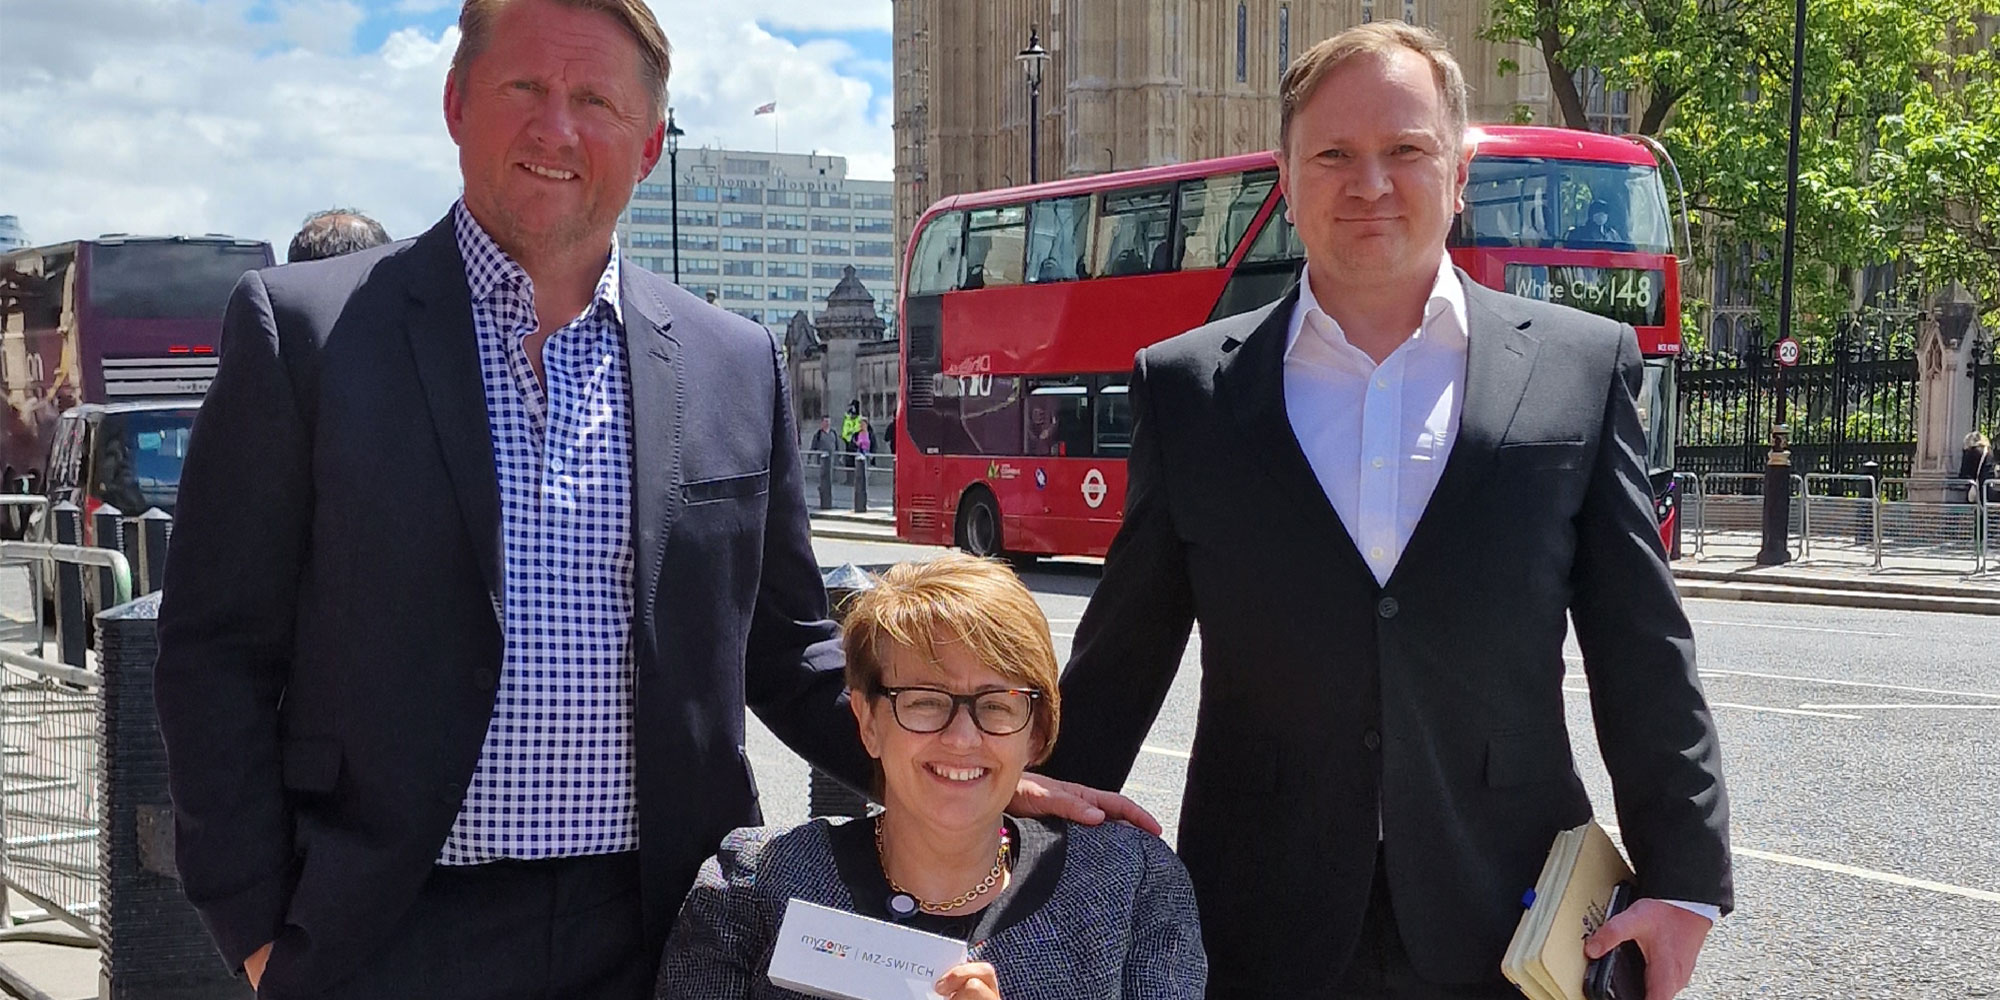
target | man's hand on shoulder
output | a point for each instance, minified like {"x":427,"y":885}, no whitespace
{"x":1040,"y":796}
{"x":1670,"y":937}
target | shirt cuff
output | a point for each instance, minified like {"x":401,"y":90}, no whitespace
{"x":1709,"y":910}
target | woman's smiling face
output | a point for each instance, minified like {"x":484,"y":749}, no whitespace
{"x":957,"y":780}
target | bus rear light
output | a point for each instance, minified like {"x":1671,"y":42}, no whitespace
{"x":203,"y":349}
{"x":180,"y":349}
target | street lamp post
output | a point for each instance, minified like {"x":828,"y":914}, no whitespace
{"x":1032,"y":58}
{"x":1778,"y":465}
{"x":674,"y":133}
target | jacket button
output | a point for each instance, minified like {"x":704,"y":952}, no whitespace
{"x":486,"y":678}
{"x":1371,"y":739}
{"x":1387,"y":607}
{"x":452,"y":794}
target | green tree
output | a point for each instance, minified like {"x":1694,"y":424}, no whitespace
{"x":1938,"y":168}
{"x":1899,"y":155}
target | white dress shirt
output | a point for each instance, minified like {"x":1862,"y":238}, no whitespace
{"x":1377,"y":436}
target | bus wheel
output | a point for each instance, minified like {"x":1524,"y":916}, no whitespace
{"x":979,"y":524}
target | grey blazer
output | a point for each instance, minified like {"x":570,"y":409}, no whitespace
{"x":1120,"y":923}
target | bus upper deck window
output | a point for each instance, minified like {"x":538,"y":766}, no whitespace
{"x":1216,"y":212}
{"x":1059,"y":240}
{"x":940,"y":253}
{"x":1132,"y":233}
{"x":995,"y":242}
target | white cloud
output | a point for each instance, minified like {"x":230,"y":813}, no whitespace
{"x":179,"y":116}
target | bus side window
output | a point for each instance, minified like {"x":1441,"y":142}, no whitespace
{"x":1058,"y":417}
{"x":1059,"y":240}
{"x":1278,"y":243}
{"x":1216,"y":212}
{"x":1114,"y":417}
{"x":939,"y":254}
{"x":1132,"y":232}
{"x":995,"y":242}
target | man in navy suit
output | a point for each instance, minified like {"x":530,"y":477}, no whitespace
{"x":486,"y":539}
{"x":1385,"y":498}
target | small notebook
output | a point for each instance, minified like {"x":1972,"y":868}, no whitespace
{"x":1545,"y":958}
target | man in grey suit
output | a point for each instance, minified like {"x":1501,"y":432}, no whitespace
{"x":485,"y":540}
{"x":1381,"y":498}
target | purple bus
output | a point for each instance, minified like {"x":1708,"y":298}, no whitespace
{"x":116,"y":319}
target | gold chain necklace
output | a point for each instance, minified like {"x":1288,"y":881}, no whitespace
{"x":985,"y":885}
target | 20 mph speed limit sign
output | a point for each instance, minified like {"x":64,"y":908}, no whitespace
{"x":1788,"y":352}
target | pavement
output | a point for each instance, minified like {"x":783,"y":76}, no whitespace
{"x":1725,"y":569}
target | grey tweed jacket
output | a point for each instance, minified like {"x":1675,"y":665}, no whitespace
{"x":1121,"y":922}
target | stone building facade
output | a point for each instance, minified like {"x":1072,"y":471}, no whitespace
{"x":1135,"y":83}
{"x":845,"y":354}
{"x":767,"y":234}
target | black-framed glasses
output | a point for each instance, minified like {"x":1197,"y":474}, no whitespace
{"x":931,"y":710}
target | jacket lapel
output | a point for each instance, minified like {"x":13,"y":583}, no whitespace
{"x":1499,"y":357}
{"x":442,"y":341}
{"x":658,"y":370}
{"x":1250,"y":381}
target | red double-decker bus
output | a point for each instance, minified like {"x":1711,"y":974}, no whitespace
{"x":1022,"y":309}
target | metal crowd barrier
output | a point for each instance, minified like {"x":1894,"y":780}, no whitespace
{"x":1858,"y":515}
{"x":1933,"y":518}
{"x":36,"y":527}
{"x":1687,"y":486}
{"x":1733,"y":502}
{"x":50,"y":802}
{"x":1843,"y":513}
{"x":1989,"y":522}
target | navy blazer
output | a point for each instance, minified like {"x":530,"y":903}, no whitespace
{"x":329,"y":638}
{"x":1427,"y":714}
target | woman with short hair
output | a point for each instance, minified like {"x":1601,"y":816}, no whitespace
{"x":953,"y":681}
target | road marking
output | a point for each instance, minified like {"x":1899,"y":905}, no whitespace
{"x":1798,"y":628}
{"x":1840,"y":683}
{"x":1167,"y":751}
{"x":1835,"y":867}
{"x":1907,"y":704}
{"x":1719,"y":672}
{"x":1801,"y":710}
{"x":1890,"y":878}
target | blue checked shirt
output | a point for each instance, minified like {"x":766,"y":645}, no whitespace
{"x":554,"y":777}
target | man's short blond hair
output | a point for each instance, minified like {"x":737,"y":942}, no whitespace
{"x":1381,"y":38}
{"x":475,"y":32}
{"x":956,"y":598}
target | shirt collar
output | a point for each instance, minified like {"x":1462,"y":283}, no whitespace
{"x":1444,"y":312}
{"x":488,"y":268}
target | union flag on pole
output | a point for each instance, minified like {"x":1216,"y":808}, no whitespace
{"x":766,"y":109}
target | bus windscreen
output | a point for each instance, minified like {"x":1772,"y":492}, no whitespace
{"x":1564,"y":204}
{"x":162,"y":279}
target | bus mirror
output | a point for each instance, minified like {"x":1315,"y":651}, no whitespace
{"x":1683,"y":238}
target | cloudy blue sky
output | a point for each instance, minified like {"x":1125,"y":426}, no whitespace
{"x":242,"y":116}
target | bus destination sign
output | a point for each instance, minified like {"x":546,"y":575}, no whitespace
{"x":1626,"y":294}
